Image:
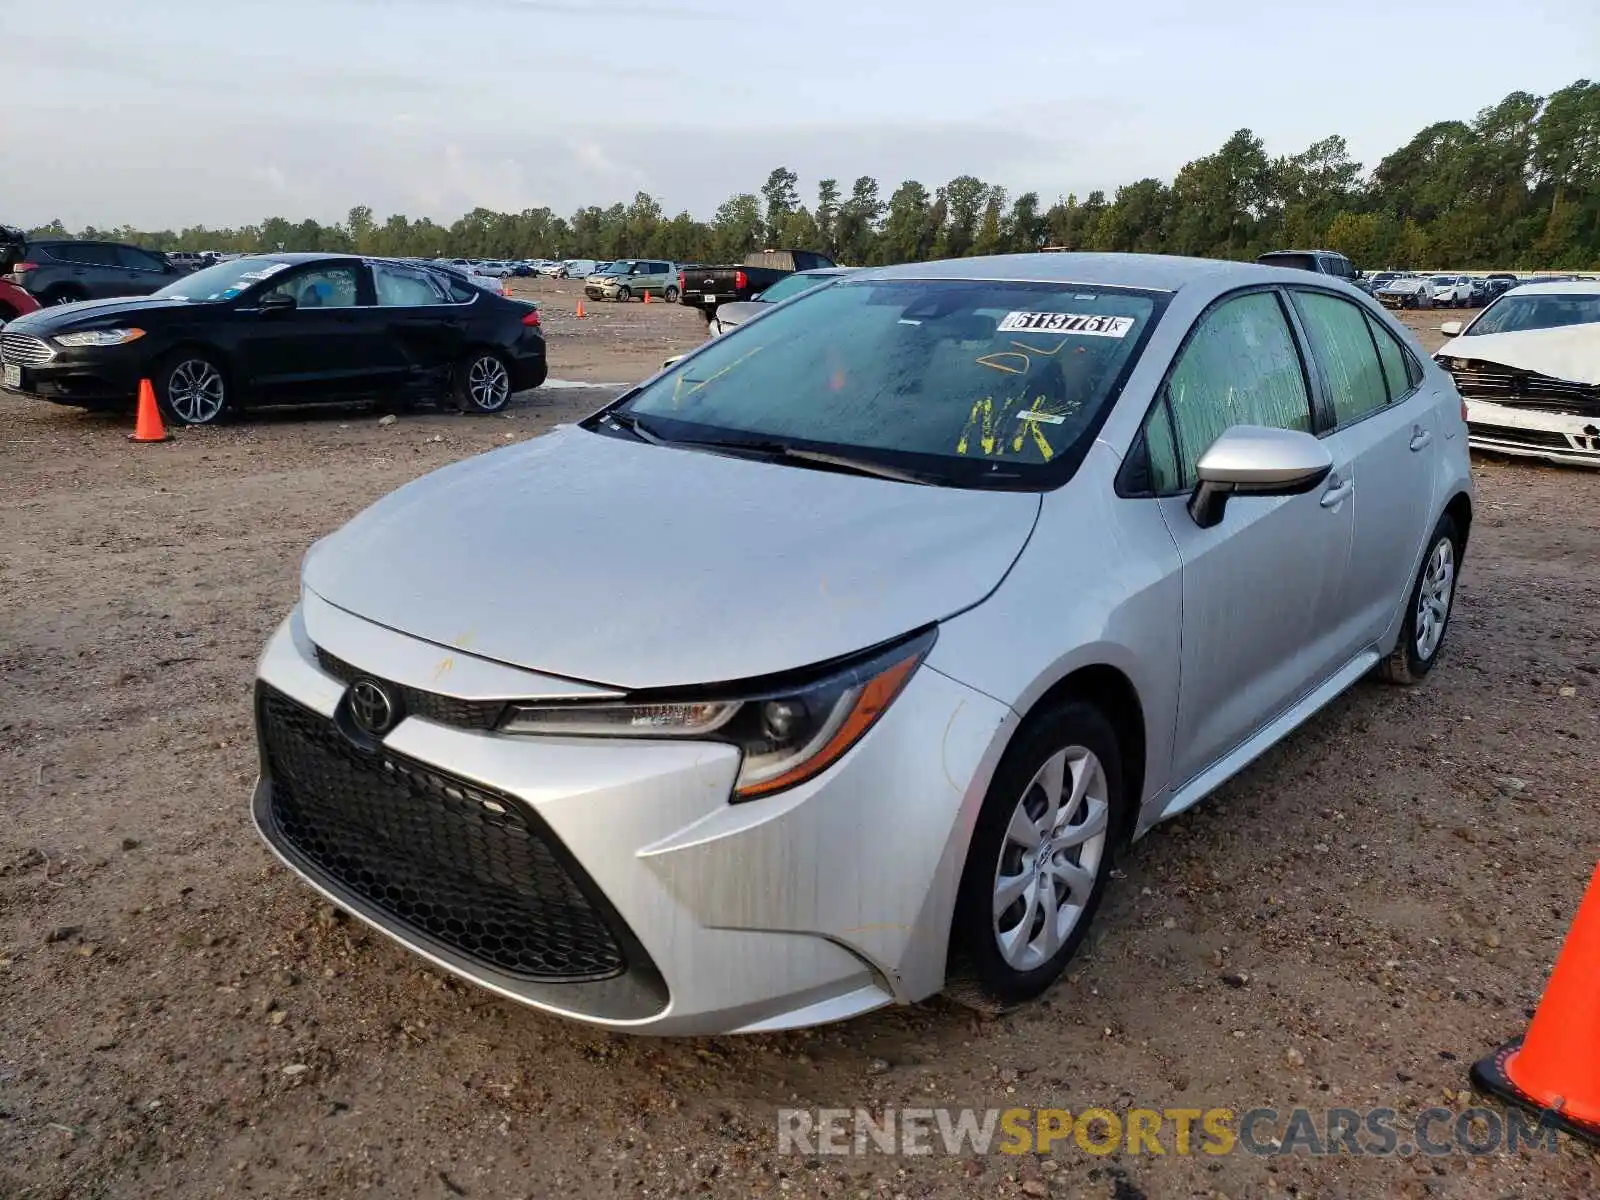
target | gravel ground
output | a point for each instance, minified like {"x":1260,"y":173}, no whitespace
{"x":1349,"y":923}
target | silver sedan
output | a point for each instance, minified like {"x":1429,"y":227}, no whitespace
{"x":833,"y":666}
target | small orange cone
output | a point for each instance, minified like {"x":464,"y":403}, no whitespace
{"x":147,"y":427}
{"x":647,"y":295}
{"x":581,"y":313}
{"x":1555,"y":1069}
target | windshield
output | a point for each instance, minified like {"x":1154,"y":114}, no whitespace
{"x":223,"y":281}
{"x":1303,"y":262}
{"x":617,"y":268}
{"x":1443,"y":281}
{"x":1513,"y":314}
{"x":974,"y":382}
{"x":793,"y":285}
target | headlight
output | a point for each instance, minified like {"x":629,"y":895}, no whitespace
{"x":100,"y":337}
{"x":788,"y":734}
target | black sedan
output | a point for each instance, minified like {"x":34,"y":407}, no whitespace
{"x":282,"y":329}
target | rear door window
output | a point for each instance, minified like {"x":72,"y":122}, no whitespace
{"x":1400,"y":370}
{"x":402,"y":287}
{"x":140,"y":260}
{"x":1342,"y":343}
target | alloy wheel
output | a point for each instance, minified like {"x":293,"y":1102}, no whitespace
{"x":196,"y":391}
{"x":1050,"y":857}
{"x":488,"y":383}
{"x":1433,"y":598}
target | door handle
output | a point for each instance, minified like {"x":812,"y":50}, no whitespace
{"x":1420,"y":437}
{"x":1338,"y":493}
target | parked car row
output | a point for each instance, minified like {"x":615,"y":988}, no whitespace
{"x":282,"y":329}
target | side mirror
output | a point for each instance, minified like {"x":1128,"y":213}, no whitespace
{"x":1257,"y":461}
{"x":278,"y":302}
{"x":1451,"y":329}
{"x":672,"y":362}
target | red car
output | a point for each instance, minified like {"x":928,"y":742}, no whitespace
{"x":14,"y":302}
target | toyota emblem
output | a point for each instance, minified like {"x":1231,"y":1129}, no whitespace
{"x":370,"y":707}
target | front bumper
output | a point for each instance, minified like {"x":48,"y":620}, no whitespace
{"x":1532,"y":433}
{"x":813,"y":905}
{"x":602,"y":291}
{"x":88,"y":377}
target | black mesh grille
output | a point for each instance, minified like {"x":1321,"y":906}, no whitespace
{"x":468,"y":867}
{"x":446,"y":710}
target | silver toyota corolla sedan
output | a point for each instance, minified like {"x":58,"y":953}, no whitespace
{"x":834,"y":665}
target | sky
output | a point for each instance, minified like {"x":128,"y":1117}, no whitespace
{"x":224,"y":112}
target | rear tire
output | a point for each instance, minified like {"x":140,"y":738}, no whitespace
{"x":1428,"y":607}
{"x":63,"y":295}
{"x":670,"y":295}
{"x":1040,"y":858}
{"x":482,"y":383}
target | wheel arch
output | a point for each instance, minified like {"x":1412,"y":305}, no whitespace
{"x":1459,"y":510}
{"x":1110,"y":690}
{"x":190,"y":344}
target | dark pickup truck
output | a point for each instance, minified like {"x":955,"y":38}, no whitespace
{"x":706,"y":287}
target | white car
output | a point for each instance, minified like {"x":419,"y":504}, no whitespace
{"x":1529,"y":370}
{"x":1406,"y":291}
{"x":474,"y":276}
{"x":1451,"y":291}
{"x":495,"y":270}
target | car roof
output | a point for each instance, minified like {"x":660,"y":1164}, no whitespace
{"x":1154,"y":272}
{"x":1572,"y":287}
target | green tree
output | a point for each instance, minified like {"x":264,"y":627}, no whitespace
{"x":990,"y":239}
{"x":828,"y":216}
{"x":859,"y":217}
{"x":906,"y":226}
{"x":737,"y":227}
{"x":782,"y":195}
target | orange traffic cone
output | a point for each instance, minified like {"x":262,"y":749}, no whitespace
{"x":581,"y":313}
{"x":647,"y":295}
{"x":1555,"y":1069}
{"x":147,"y":427}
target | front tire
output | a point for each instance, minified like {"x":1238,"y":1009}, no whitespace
{"x":192,"y":388}
{"x":482,"y":383}
{"x":1040,"y":857}
{"x":624,"y":294}
{"x":1428,"y":608}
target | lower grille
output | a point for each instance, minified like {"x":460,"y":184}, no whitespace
{"x":431,"y":706}
{"x":1543,"y":438}
{"x":25,"y":350}
{"x":467,"y":867}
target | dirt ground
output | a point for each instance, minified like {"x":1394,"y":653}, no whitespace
{"x":1350,"y":923}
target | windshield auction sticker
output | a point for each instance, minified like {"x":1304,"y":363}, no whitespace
{"x":1057,"y":322}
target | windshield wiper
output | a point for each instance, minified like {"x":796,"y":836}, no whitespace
{"x":630,"y":423}
{"x":774,"y":450}
{"x":779,"y":451}
{"x":860,"y":466}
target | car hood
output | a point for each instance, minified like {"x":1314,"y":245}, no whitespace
{"x":1571,"y":352}
{"x":637,"y":566}
{"x":57,"y":318}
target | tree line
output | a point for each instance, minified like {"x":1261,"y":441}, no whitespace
{"x":1517,"y":186}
